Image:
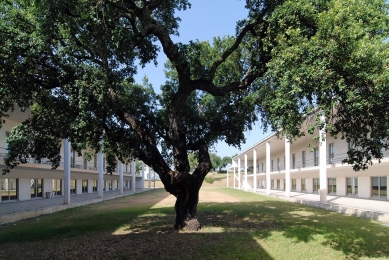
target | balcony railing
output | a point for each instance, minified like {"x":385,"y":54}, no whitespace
{"x":331,"y":159}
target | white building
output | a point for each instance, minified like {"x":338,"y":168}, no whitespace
{"x":36,"y":179}
{"x":277,"y":164}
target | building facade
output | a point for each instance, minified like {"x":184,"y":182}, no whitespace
{"x":75,"y":175}
{"x":277,"y":164}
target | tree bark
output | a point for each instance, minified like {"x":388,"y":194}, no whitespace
{"x":186,"y":206}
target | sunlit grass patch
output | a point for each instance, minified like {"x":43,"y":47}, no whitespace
{"x":250,"y":226}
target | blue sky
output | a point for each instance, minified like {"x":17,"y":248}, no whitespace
{"x":205,"y":20}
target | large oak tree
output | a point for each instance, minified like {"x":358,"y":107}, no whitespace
{"x":73,"y":62}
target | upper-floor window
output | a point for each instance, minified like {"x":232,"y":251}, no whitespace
{"x":303,"y":159}
{"x":331,"y":153}
{"x":293,"y":161}
{"x":316,"y":156}
{"x":278,"y":164}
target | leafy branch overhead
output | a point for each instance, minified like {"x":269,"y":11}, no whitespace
{"x":73,"y":62}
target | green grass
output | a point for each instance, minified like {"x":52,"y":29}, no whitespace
{"x":256,"y":227}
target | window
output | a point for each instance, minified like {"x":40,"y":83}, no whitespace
{"x":72,"y":159}
{"x":278,"y":164}
{"x":85,"y":165}
{"x":303,"y":184}
{"x":36,"y":188}
{"x":110,"y":185}
{"x":272,"y":184}
{"x":95,"y":162}
{"x":316,"y":185}
{"x":104,"y":185}
{"x":379,"y":187}
{"x":278,"y":184}
{"x":262,"y":167}
{"x":9,"y":189}
{"x":303,"y":159}
{"x":84,"y":186}
{"x":316,"y":156}
{"x":57,"y":187}
{"x":294,"y":184}
{"x":115,"y":184}
{"x":352,"y":186}
{"x":331,"y":185}
{"x":73,"y":187}
{"x":94,"y":186}
{"x":331,"y":153}
{"x":293,"y":161}
{"x":272,"y":165}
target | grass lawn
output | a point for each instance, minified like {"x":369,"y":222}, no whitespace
{"x":236,"y":225}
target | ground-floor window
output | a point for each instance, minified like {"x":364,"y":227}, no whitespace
{"x":379,"y":187}
{"x":94,"y":186}
{"x":110,"y":185}
{"x":9,"y":189}
{"x":115,"y":185}
{"x":352,"y":186}
{"x":36,"y":188}
{"x":294,"y":185}
{"x":57,"y":187}
{"x":73,"y":189}
{"x":278,"y":184}
{"x":272,"y":184}
{"x":303,"y":184}
{"x":104,"y":186}
{"x":84,"y":186}
{"x":316,"y":185}
{"x":332,"y":185}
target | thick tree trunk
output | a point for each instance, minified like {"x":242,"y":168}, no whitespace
{"x":186,"y":208}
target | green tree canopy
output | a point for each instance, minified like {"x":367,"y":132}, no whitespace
{"x":73,"y":63}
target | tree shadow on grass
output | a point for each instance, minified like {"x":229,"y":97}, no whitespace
{"x":230,"y":231}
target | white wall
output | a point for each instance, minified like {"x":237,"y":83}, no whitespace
{"x":24,"y":189}
{"x":78,"y":186}
{"x":364,"y":187}
{"x":341,"y":186}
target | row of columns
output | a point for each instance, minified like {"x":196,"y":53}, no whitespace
{"x":322,"y":168}
{"x":66,"y":192}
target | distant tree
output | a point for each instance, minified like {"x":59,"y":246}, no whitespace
{"x":73,"y":63}
{"x":138,"y":167}
{"x":193,"y":161}
{"x":224,"y":162}
{"x":215,"y":160}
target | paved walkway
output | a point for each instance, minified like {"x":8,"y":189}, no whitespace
{"x":18,"y":210}
{"x":366,"y":208}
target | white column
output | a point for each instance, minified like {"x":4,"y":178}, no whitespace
{"x":154,"y":178}
{"x":143,"y":176}
{"x":133,"y":169}
{"x":239,"y":173}
{"x":234,"y":177}
{"x":66,"y":172}
{"x":149,"y":177}
{"x":287,"y":167}
{"x":255,"y":169}
{"x":322,"y":163}
{"x":227,"y":178}
{"x":245,"y":172}
{"x":101,"y":179}
{"x":268,"y":168}
{"x":120,"y":178}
